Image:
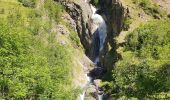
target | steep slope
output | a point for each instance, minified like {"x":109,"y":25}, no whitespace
{"x":143,"y":71}
{"x":47,"y":48}
{"x":40,"y":52}
{"x":126,"y":21}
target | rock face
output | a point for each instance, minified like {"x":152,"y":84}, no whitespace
{"x":114,"y":13}
{"x":80,"y":12}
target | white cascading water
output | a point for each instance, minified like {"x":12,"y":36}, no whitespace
{"x":100,"y":97}
{"x":96,"y":60}
{"x":100,"y":25}
{"x":82,"y":95}
{"x":89,"y":80}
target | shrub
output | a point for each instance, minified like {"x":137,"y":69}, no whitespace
{"x":144,"y":70}
{"x":126,"y":23}
{"x":33,"y":66}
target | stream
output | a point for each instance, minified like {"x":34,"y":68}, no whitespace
{"x":99,"y":36}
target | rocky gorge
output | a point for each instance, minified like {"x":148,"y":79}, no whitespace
{"x":96,"y":34}
{"x":84,"y":49}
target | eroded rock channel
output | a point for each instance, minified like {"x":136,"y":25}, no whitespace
{"x":96,"y":27}
{"x":99,"y":34}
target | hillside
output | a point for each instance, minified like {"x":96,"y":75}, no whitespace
{"x":84,"y":49}
{"x":40,"y":54}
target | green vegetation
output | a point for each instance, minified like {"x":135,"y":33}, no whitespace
{"x":150,"y":8}
{"x":95,"y":2}
{"x":127,"y":22}
{"x":28,"y":3}
{"x":54,"y":9}
{"x":33,"y":64}
{"x":144,"y":70}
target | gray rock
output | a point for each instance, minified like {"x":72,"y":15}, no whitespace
{"x":70,"y":21}
{"x":80,"y":11}
{"x":62,"y":30}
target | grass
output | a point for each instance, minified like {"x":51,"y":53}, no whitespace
{"x":28,"y":3}
{"x":54,"y":9}
{"x":150,"y":8}
{"x":44,"y":65}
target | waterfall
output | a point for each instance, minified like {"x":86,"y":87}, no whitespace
{"x":99,"y":22}
{"x":89,"y":79}
{"x":100,"y":97}
{"x":96,"y":60}
{"x":82,"y":95}
{"x":101,"y":33}
{"x":100,"y":28}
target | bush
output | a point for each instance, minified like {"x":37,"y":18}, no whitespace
{"x":144,"y":70}
{"x":33,"y":66}
{"x":126,"y":23}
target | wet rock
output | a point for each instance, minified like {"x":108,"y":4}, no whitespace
{"x":115,"y":13}
{"x":91,"y":93}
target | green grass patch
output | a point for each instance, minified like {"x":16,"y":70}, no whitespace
{"x":28,"y":3}
{"x":54,"y":9}
{"x":150,"y":8}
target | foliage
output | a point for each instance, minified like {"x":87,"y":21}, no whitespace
{"x":95,"y":2}
{"x":28,"y":3}
{"x":127,"y":22}
{"x":144,"y":70}
{"x":33,"y":64}
{"x":54,"y":9}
